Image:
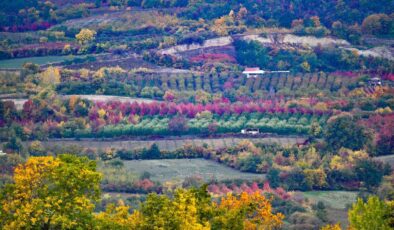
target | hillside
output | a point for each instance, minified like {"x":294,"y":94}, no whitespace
{"x":197,"y":114}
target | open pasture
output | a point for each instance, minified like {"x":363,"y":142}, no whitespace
{"x":333,"y":199}
{"x":179,"y":169}
{"x":17,"y":63}
{"x":337,"y":203}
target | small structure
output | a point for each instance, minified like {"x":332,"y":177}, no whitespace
{"x":375,"y":81}
{"x":2,"y":153}
{"x":255,"y":72}
{"x":250,"y":131}
{"x":252,"y":72}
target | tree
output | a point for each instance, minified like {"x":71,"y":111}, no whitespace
{"x":370,"y":215}
{"x":169,"y":96}
{"x":118,"y":217}
{"x":305,"y":66}
{"x":212,"y":128}
{"x":273,"y":177}
{"x":36,"y":149}
{"x":315,"y":130}
{"x":321,"y":212}
{"x":246,"y":211}
{"x":14,"y":145}
{"x":343,"y":131}
{"x":182,"y":212}
{"x":150,"y":3}
{"x":332,"y":227}
{"x":152,"y":153}
{"x":85,"y":35}
{"x":51,"y":193}
{"x":377,"y":24}
{"x":177,"y":124}
{"x":369,"y":172}
{"x":180,"y":3}
{"x":50,"y":76}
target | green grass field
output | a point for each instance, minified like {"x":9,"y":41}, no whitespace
{"x":337,"y":203}
{"x":333,"y":199}
{"x":18,"y":62}
{"x":179,"y":169}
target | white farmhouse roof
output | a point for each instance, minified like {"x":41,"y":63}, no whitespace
{"x":253,"y":71}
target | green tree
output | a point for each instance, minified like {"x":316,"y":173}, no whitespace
{"x":14,"y":145}
{"x":273,"y":177}
{"x":370,"y":215}
{"x":343,"y":131}
{"x":152,"y":153}
{"x":315,"y":130}
{"x":369,"y":172}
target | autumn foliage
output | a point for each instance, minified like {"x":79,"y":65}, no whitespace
{"x":59,"y":193}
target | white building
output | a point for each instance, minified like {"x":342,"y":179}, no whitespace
{"x":255,"y":72}
{"x":252,"y":72}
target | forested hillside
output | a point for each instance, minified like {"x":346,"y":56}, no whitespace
{"x":197,"y":114}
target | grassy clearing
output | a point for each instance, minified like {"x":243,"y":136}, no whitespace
{"x":18,"y":62}
{"x":336,"y":202}
{"x":333,"y":199}
{"x":179,"y":169}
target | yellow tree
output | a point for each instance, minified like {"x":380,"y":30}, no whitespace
{"x":51,"y":193}
{"x":181,"y":212}
{"x":332,"y":227}
{"x":252,"y":211}
{"x":50,"y":76}
{"x":85,"y":35}
{"x":118,"y":217}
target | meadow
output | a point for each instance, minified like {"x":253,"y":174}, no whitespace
{"x":17,"y":63}
{"x":179,"y":169}
{"x":337,"y":203}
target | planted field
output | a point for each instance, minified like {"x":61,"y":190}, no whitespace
{"x":213,"y":83}
{"x":172,"y":144}
{"x":18,"y":62}
{"x":156,"y":125}
{"x":179,"y":169}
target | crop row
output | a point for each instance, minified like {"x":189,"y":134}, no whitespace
{"x":216,"y":83}
{"x":155,"y":85}
{"x":156,"y":125}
